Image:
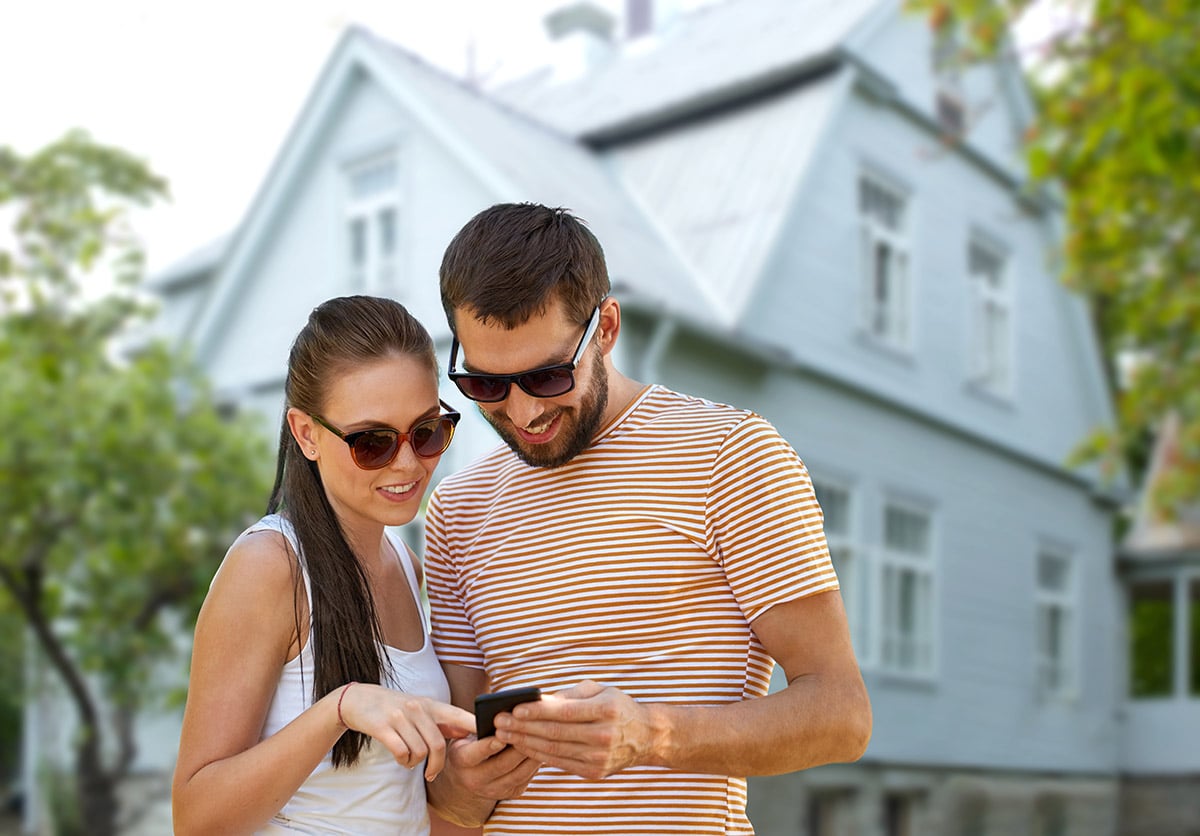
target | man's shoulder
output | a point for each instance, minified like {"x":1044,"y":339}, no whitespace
{"x":665,"y":405}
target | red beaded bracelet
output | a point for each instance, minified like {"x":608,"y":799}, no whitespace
{"x":341,"y":697}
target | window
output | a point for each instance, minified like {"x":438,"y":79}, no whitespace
{"x":1152,"y":639}
{"x":1194,"y":637}
{"x":906,"y":565}
{"x":885,"y":291}
{"x":836,"y":504}
{"x":1055,"y":624}
{"x":991,"y":319}
{"x":1050,"y":816}
{"x":831,"y":813}
{"x":948,"y":59}
{"x":900,"y":814}
{"x":970,"y":818}
{"x":372,"y":224}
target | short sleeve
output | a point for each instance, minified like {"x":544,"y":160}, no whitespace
{"x":453,"y":633}
{"x":763,"y":522}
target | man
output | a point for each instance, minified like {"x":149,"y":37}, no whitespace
{"x":639,"y":555}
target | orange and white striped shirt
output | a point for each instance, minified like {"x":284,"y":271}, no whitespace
{"x":641,"y":565}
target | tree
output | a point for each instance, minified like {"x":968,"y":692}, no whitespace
{"x":120,"y":482}
{"x":1118,"y":105}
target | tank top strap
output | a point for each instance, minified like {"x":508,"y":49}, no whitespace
{"x":275,"y":522}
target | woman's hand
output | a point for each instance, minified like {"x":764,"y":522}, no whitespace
{"x":412,"y":728}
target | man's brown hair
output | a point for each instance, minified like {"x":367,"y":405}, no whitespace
{"x":513,"y":259}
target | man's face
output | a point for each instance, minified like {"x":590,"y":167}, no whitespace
{"x":543,"y":432}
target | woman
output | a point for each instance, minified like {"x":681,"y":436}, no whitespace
{"x":285,"y":729}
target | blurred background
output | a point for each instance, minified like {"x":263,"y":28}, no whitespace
{"x":947,"y":248}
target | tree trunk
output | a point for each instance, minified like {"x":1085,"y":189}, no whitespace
{"x":97,"y":790}
{"x":95,"y":785}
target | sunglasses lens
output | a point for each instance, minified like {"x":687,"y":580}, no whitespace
{"x":482,"y":388}
{"x":432,"y":437}
{"x":375,"y":449}
{"x":548,"y":384}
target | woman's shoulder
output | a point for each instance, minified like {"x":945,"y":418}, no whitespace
{"x":260,"y":558}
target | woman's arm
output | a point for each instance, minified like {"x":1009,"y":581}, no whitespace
{"x":226,"y":780}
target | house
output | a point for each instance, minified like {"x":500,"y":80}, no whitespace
{"x":809,"y":211}
{"x":1159,"y":567}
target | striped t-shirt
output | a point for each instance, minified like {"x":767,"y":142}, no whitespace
{"x":641,"y":565}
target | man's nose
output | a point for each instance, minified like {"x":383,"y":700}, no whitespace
{"x":522,"y":408}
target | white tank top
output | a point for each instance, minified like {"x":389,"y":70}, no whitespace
{"x":376,"y":795}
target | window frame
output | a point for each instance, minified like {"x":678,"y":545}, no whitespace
{"x":991,"y":368}
{"x":379,"y":272}
{"x":890,"y":322}
{"x":892,"y":562}
{"x":1063,"y":685}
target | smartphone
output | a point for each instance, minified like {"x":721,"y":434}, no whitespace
{"x":487,"y":706}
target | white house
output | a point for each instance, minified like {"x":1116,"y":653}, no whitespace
{"x":809,"y":211}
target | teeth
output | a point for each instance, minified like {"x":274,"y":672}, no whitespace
{"x":399,"y":488}
{"x":539,"y":429}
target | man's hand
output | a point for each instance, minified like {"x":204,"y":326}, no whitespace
{"x":588,"y":730}
{"x":478,"y":773}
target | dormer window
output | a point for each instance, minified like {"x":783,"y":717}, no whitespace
{"x":372,"y":224}
{"x":885,"y":279}
{"x":991,"y":319}
{"x":949,"y":98}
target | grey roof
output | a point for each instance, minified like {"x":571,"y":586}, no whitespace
{"x":713,"y":55}
{"x":1156,"y":535}
{"x":541,"y":165}
{"x":197,"y":264}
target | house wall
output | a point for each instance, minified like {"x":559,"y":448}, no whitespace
{"x":811,"y":295}
{"x":990,"y":515}
{"x":302,"y":260}
{"x":900,"y":48}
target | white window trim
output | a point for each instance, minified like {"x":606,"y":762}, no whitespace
{"x":872,"y":231}
{"x":368,"y":209}
{"x":927,"y":566}
{"x":1068,"y":600}
{"x":982,"y":361}
{"x":948,"y":71}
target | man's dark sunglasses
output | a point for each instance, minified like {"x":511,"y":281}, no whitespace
{"x":546,"y":382}
{"x":378,"y":447}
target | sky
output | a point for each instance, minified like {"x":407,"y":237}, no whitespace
{"x":206,"y":92}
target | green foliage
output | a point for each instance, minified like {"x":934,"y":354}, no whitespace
{"x":121,"y":484}
{"x":1118,"y":105}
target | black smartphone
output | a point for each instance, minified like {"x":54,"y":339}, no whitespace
{"x":487,"y":706}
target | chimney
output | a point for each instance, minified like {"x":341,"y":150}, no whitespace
{"x":582,"y":38}
{"x":639,"y":18}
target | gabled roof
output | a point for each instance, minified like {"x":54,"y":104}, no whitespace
{"x":1155,"y":535}
{"x":713,"y":56}
{"x":513,"y":157}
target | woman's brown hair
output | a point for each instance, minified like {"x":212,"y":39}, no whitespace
{"x":347,"y":640}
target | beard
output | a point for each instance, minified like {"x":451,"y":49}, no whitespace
{"x":573,"y":437}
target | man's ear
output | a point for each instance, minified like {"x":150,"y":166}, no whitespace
{"x":610,"y":324}
{"x":304,"y":430}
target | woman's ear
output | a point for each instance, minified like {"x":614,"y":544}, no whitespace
{"x":304,"y":430}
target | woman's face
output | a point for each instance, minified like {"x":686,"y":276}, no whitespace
{"x":396,"y":391}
